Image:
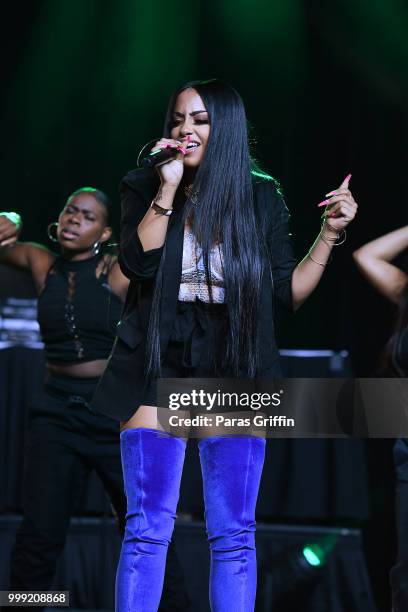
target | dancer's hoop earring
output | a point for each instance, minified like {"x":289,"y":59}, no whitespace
{"x":50,"y":234}
{"x":96,"y":247}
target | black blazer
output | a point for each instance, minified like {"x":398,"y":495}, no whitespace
{"x":119,"y":392}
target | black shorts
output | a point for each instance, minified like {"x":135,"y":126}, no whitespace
{"x":197,"y":345}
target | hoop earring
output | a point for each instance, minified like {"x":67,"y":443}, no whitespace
{"x":96,"y":248}
{"x":49,"y":231}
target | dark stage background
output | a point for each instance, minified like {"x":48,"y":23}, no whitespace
{"x":325,"y":85}
{"x":85,"y":85}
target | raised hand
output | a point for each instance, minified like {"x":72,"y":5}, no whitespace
{"x":10,"y":228}
{"x":171,"y":171}
{"x":341,"y":208}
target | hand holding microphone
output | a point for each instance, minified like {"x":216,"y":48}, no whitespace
{"x":167,"y":157}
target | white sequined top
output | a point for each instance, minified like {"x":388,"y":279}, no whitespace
{"x":193,"y":282}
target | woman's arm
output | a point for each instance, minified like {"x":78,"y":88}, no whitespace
{"x":307,"y":274}
{"x":26,"y":255}
{"x":118,"y":281}
{"x":143,"y":229}
{"x":341,"y":209}
{"x":12,"y":252}
{"x":373,"y":259}
{"x":152,"y":229}
{"x":136,"y":261}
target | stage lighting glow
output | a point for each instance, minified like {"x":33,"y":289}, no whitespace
{"x":292,"y":569}
{"x":314,"y":555}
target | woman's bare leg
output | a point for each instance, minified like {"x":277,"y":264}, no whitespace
{"x":154,"y":417}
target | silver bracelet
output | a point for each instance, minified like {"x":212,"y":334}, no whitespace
{"x":341,"y":235}
{"x":319,"y":263}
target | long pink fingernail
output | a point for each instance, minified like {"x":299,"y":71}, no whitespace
{"x":348,"y":177}
{"x":324,"y":203}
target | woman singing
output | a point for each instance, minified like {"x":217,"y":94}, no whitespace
{"x":81,"y":294}
{"x":206,"y":246}
{"x":375,"y":261}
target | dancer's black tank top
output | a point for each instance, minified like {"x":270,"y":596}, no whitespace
{"x":77,"y":312}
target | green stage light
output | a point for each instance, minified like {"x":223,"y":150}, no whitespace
{"x":314,"y":555}
{"x":290,"y":570}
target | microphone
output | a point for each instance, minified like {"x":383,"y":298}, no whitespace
{"x":161,"y":156}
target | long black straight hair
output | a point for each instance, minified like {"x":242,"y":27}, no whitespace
{"x":221,"y":210}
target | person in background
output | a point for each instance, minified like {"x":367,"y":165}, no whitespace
{"x":375,"y":261}
{"x":80,"y":298}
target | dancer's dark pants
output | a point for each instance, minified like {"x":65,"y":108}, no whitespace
{"x":65,"y":443}
{"x":399,"y":573}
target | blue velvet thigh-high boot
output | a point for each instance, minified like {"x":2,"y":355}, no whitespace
{"x":231,"y":468}
{"x":152,"y":466}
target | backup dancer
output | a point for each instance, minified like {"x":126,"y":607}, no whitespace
{"x":375,"y":260}
{"x":80,"y":299}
